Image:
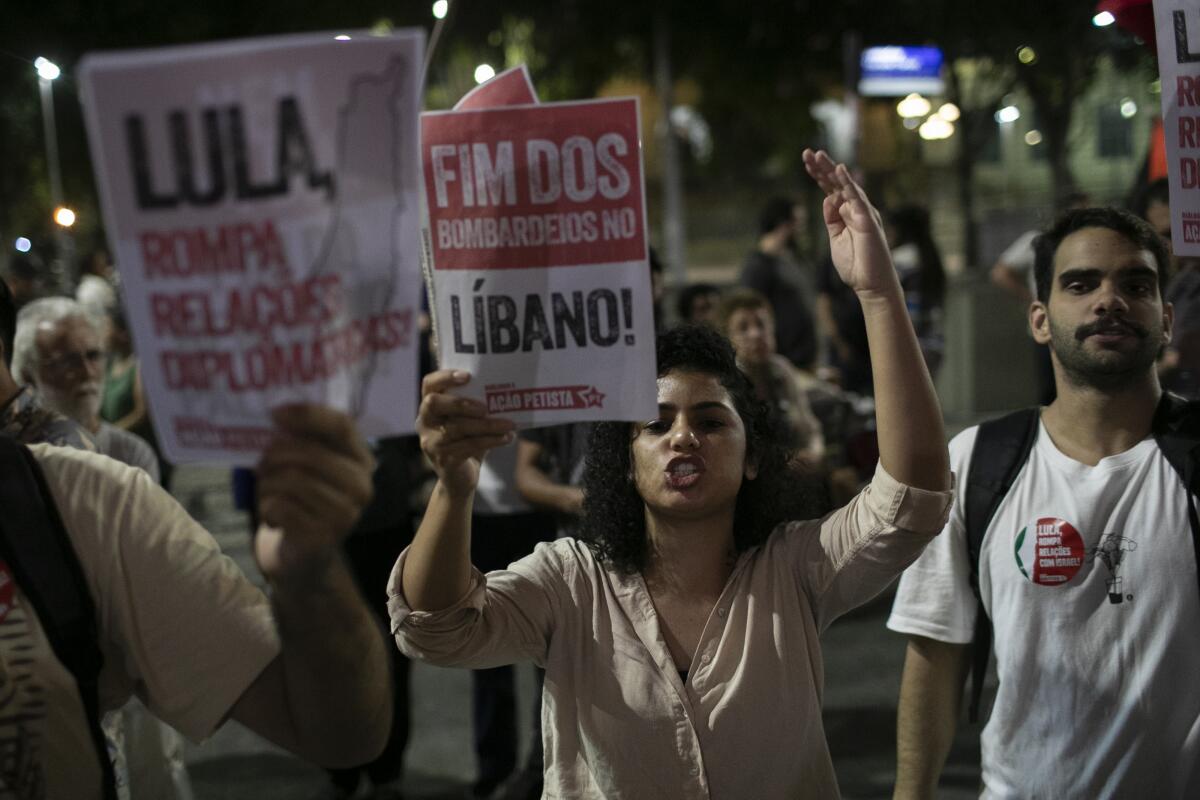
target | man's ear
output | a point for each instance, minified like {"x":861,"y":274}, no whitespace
{"x":1168,"y":322}
{"x":1039,"y":322}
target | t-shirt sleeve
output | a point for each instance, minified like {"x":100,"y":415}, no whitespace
{"x":934,"y":598}
{"x":506,"y":616}
{"x":179,"y":622}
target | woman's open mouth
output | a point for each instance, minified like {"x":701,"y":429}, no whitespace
{"x":683,"y":473}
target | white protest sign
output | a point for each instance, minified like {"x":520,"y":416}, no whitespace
{"x":1177,"y":28}
{"x":537,"y":239}
{"x":262,"y":198}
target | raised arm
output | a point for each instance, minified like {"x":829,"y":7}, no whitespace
{"x":326,"y":696}
{"x":912,"y":441}
{"x":930,"y":700}
{"x":456,"y":433}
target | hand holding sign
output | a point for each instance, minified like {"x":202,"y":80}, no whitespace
{"x":314,"y":480}
{"x":456,"y":432}
{"x":857,"y":245}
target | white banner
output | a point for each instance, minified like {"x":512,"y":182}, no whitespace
{"x":262,"y":201}
{"x":537,"y":241}
{"x":1177,"y":28}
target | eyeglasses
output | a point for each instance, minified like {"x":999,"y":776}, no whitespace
{"x":78,"y":361}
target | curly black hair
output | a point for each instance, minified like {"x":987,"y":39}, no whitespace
{"x":614,"y":517}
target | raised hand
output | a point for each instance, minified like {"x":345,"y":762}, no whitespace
{"x":456,"y":432}
{"x":314,"y":480}
{"x":856,"y":241}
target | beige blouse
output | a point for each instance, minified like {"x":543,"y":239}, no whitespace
{"x":617,"y":720}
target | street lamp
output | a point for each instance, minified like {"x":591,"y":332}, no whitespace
{"x":64,"y":217}
{"x":484,"y":73}
{"x":48,"y":72}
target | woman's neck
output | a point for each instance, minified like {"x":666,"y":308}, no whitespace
{"x":689,"y":557}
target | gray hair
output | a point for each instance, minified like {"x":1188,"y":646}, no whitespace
{"x":46,"y":311}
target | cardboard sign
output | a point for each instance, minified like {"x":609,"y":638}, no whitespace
{"x":1177,"y":23}
{"x":537,"y":239}
{"x":262,"y":200}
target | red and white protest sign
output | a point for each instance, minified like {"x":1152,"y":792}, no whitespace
{"x":537,"y":238}
{"x":262,"y":199}
{"x":1177,"y":25}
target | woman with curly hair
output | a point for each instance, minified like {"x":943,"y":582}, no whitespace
{"x":680,"y":633}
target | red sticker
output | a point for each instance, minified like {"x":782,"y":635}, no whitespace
{"x":1050,"y":554}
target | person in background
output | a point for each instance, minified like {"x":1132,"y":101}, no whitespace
{"x":771,"y":268}
{"x":698,"y":303}
{"x":22,"y":416}
{"x":745,"y":317}
{"x":509,"y":529}
{"x":847,"y":356}
{"x":96,"y":290}
{"x":25,"y":277}
{"x":922,"y":277}
{"x":1179,"y":366}
{"x":58,"y":350}
{"x":123,"y":401}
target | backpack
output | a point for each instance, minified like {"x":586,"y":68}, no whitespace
{"x":35,"y":546}
{"x":1001,"y":449}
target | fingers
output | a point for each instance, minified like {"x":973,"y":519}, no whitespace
{"x":443,"y":379}
{"x":292,"y":461}
{"x":822,"y":169}
{"x":322,"y":426}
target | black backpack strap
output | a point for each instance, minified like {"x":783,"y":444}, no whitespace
{"x":1001,"y":448}
{"x":1177,"y":432}
{"x":35,"y":546}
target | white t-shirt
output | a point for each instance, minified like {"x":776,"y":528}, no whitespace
{"x":497,"y":492}
{"x":178,"y":625}
{"x":1089,"y":577}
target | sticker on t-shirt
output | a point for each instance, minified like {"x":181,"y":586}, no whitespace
{"x":1049,"y":552}
{"x":1111,"y":550}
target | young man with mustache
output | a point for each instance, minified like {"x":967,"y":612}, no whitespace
{"x":1087,"y":568}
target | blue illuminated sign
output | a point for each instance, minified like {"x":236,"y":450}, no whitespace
{"x":895,"y":71}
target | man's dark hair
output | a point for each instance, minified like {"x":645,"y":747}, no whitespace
{"x":614,"y":516}
{"x":776,"y":212}
{"x":1133,"y":228}
{"x":688,"y":295}
{"x":8,"y":322}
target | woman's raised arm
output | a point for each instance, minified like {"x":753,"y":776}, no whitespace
{"x":912,"y":440}
{"x":455,"y":434}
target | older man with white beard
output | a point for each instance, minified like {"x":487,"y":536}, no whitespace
{"x":58,"y":349}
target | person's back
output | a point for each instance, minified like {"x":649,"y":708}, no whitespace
{"x":1086,"y":570}
{"x":771,"y":270}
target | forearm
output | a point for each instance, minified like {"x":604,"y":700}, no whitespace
{"x":335,"y":672}
{"x":912,"y":440}
{"x":437,"y":570}
{"x":539,"y":490}
{"x":930,"y":700}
